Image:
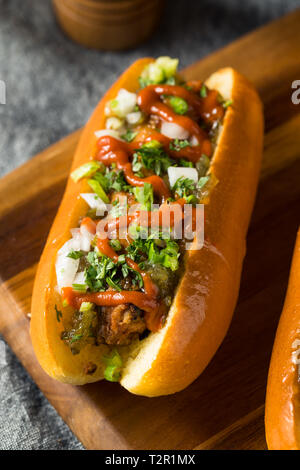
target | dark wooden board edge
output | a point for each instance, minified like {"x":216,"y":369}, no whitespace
{"x":45,"y":383}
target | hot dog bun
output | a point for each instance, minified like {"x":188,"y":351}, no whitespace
{"x":53,"y":355}
{"x":282,"y":400}
{"x":167,"y":361}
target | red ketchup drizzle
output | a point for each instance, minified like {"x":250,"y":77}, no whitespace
{"x":115,"y":151}
{"x":112,"y":150}
{"x":146,"y":301}
{"x":209,"y":109}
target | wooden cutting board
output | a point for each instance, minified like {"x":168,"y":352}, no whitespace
{"x":224,"y":408}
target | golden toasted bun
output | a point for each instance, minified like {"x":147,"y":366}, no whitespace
{"x":169,"y":360}
{"x":282,"y":412}
{"x":202,"y":309}
{"x":53,"y":354}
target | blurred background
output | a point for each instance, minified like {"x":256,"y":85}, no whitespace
{"x":52,"y":86}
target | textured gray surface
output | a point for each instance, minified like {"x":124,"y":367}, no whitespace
{"x":52,"y":86}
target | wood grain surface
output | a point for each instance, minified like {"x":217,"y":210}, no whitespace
{"x":224,"y":408}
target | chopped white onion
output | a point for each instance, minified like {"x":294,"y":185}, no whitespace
{"x":134,"y":118}
{"x":75,"y":232}
{"x":86,"y":243}
{"x":194,"y":141}
{"x":107,"y":110}
{"x":296,"y":343}
{"x":86,"y":238}
{"x":66,"y":267}
{"x":79,"y":278}
{"x":109,"y":132}
{"x":95,"y":202}
{"x":114,"y":123}
{"x":296,"y":356}
{"x":173,"y":131}
{"x":126,"y":102}
{"x":72,"y":244}
{"x":176,"y":172}
{"x":83,"y":236}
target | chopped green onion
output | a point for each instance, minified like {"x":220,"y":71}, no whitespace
{"x":112,"y":284}
{"x":185,"y":163}
{"x":205,"y":186}
{"x":153,"y":144}
{"x":86,"y":307}
{"x":76,"y":338}
{"x":227,"y":103}
{"x":171,"y":81}
{"x":202,"y":181}
{"x":179,"y":105}
{"x":112,"y":373}
{"x":115,"y":244}
{"x":97,"y":188}
{"x":79,"y":287}
{"x":144,"y":195}
{"x":121,"y":259}
{"x":160,"y":71}
{"x":203,"y":91}
{"x":114,"y":106}
{"x":202,"y":165}
{"x":102,"y":180}
{"x":85,"y":171}
{"x":113,"y":368}
{"x":168,"y":65}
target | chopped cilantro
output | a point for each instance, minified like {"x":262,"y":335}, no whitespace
{"x":58,"y":313}
{"x":113,"y":284}
{"x":155,"y":249}
{"x":129,"y":135}
{"x":178,"y":144}
{"x":186,"y":163}
{"x":102,"y":273}
{"x":115,"y":244}
{"x":75,"y":254}
{"x":144,"y":195}
{"x":185,"y":187}
{"x":151,"y":157}
{"x":112,"y":180}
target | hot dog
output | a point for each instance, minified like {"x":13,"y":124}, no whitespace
{"x":282,"y":409}
{"x":109,"y":299}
